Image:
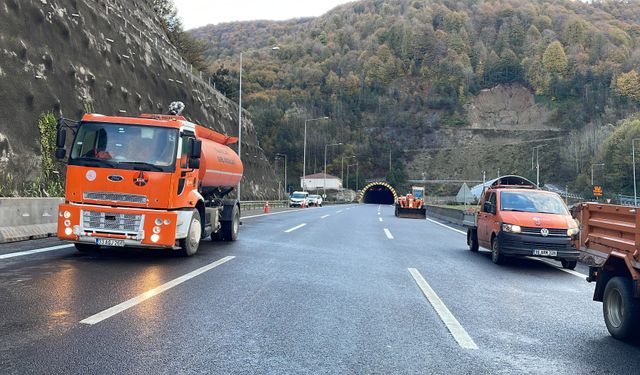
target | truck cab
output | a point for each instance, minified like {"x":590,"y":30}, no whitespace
{"x":516,"y":219}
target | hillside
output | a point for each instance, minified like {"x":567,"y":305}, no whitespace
{"x":111,"y":57}
{"x":436,"y":81}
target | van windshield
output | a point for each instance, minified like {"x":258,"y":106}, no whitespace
{"x":532,"y":201}
{"x":125,"y":146}
{"x":298,"y":195}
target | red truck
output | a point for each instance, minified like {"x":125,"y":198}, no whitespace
{"x":517,"y":219}
{"x":608,"y":243}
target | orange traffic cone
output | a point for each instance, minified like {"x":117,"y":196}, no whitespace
{"x":266,"y":207}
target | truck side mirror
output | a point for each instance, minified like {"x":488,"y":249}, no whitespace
{"x":61,"y":137}
{"x":196,"y":149}
{"x":194,"y":163}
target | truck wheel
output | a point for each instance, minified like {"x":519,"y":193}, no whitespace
{"x":86,"y":248}
{"x":472,"y":240}
{"x":569,"y":264}
{"x":621,"y":310}
{"x":190,"y":244}
{"x":229,"y":229}
{"x":496,"y":255}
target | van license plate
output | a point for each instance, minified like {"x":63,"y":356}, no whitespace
{"x":109,"y":242}
{"x":545,"y":253}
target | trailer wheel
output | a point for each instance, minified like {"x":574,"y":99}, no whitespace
{"x":621,"y":311}
{"x":86,"y":248}
{"x":472,"y":240}
{"x":569,"y":264}
{"x":229,"y":229}
{"x":496,"y":256}
{"x":190,"y":244}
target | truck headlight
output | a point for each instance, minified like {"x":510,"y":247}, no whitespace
{"x":158,"y":221}
{"x":573,"y":231}
{"x":67,"y":214}
{"x":511,"y":228}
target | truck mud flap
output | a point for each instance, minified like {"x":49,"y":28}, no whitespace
{"x":227,"y":212}
{"x":412,"y":213}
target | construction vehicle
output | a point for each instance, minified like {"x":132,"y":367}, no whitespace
{"x":412,"y":205}
{"x":517,"y":219}
{"x":153,"y":181}
{"x":608,"y":244}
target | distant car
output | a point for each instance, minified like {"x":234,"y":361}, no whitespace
{"x":315,"y":200}
{"x":299,"y":199}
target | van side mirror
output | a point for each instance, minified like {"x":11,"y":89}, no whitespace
{"x":61,"y":137}
{"x":196,"y":149}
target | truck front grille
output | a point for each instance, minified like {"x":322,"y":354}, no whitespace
{"x":111,"y":221}
{"x":552,"y":231}
{"x":115,"y":197}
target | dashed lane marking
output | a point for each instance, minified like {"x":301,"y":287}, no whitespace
{"x":457,"y":331}
{"x":295,"y":228}
{"x":338,"y":211}
{"x":108,"y":313}
{"x":324,"y":217}
{"x":388,"y":233}
{"x":35,"y":251}
{"x":380,"y":219}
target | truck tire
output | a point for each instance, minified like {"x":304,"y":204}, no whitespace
{"x":472,"y":240}
{"x":621,"y":311}
{"x":189,"y":245}
{"x":229,"y":229}
{"x":86,"y":248}
{"x":496,"y":256}
{"x":569,"y":264}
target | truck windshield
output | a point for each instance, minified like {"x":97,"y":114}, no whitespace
{"x":125,"y":146}
{"x":532,"y":201}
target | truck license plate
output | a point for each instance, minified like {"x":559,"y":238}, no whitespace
{"x":545,"y":253}
{"x":109,"y":242}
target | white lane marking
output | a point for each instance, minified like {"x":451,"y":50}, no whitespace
{"x":457,"y":331}
{"x":35,"y":251}
{"x":279,"y":212}
{"x":446,"y":226}
{"x":294,"y":228}
{"x":108,"y":313}
{"x":379,"y":207}
{"x":378,"y":213}
{"x":388,"y":233}
{"x":325,"y":216}
{"x":552,"y":264}
{"x":338,"y":211}
{"x":380,"y":219}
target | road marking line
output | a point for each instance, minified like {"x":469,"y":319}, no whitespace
{"x":108,"y":313}
{"x":275,"y":213}
{"x":388,"y":233}
{"x":35,"y":251}
{"x":380,"y":219}
{"x":294,"y":228}
{"x":378,"y":213}
{"x":325,"y":216}
{"x":446,"y":226}
{"x":550,"y":263}
{"x":338,"y":211}
{"x":457,"y":331}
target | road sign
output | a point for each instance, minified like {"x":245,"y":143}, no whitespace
{"x":597,"y":191}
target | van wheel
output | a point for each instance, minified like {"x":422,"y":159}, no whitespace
{"x":86,"y":248}
{"x":569,"y":264}
{"x":472,"y":240}
{"x":496,"y":256}
{"x":621,"y":311}
{"x":229,"y":229}
{"x":189,"y":245}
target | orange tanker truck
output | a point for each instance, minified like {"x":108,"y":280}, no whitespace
{"x":154,"y":181}
{"x":609,"y":244}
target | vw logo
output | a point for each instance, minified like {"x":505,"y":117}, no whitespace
{"x":544,"y":232}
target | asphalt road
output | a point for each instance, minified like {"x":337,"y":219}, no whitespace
{"x":353,"y":291}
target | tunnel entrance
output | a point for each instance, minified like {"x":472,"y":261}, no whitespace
{"x":378,"y":193}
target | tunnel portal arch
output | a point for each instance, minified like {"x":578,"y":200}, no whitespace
{"x":378,"y":193}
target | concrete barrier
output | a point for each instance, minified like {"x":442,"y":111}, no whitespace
{"x":28,"y":218}
{"x":451,"y":215}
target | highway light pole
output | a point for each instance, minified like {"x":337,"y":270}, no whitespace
{"x":240,"y":122}
{"x":633,"y":156}
{"x":285,"y":171}
{"x":342,"y":167}
{"x":324,"y":183}
{"x":536,"y":150}
{"x":593,"y":165}
{"x":304,"y":151}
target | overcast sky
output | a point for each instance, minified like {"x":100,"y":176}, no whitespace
{"x":195,"y":13}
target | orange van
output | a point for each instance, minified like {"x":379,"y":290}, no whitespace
{"x":515,"y":218}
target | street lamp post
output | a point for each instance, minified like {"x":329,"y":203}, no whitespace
{"x":633,"y":156}
{"x":536,"y":150}
{"x":285,"y":171}
{"x":342,"y":167}
{"x":592,"y":165}
{"x":324,"y":183}
{"x":304,"y":150}
{"x":240,"y":121}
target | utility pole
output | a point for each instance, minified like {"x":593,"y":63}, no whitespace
{"x":240,"y":121}
{"x":324,"y":183}
{"x":286,"y":188}
{"x":633,"y":156}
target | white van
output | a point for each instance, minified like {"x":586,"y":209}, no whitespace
{"x":298,"y":199}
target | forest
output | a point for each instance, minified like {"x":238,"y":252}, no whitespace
{"x":390,"y":73}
